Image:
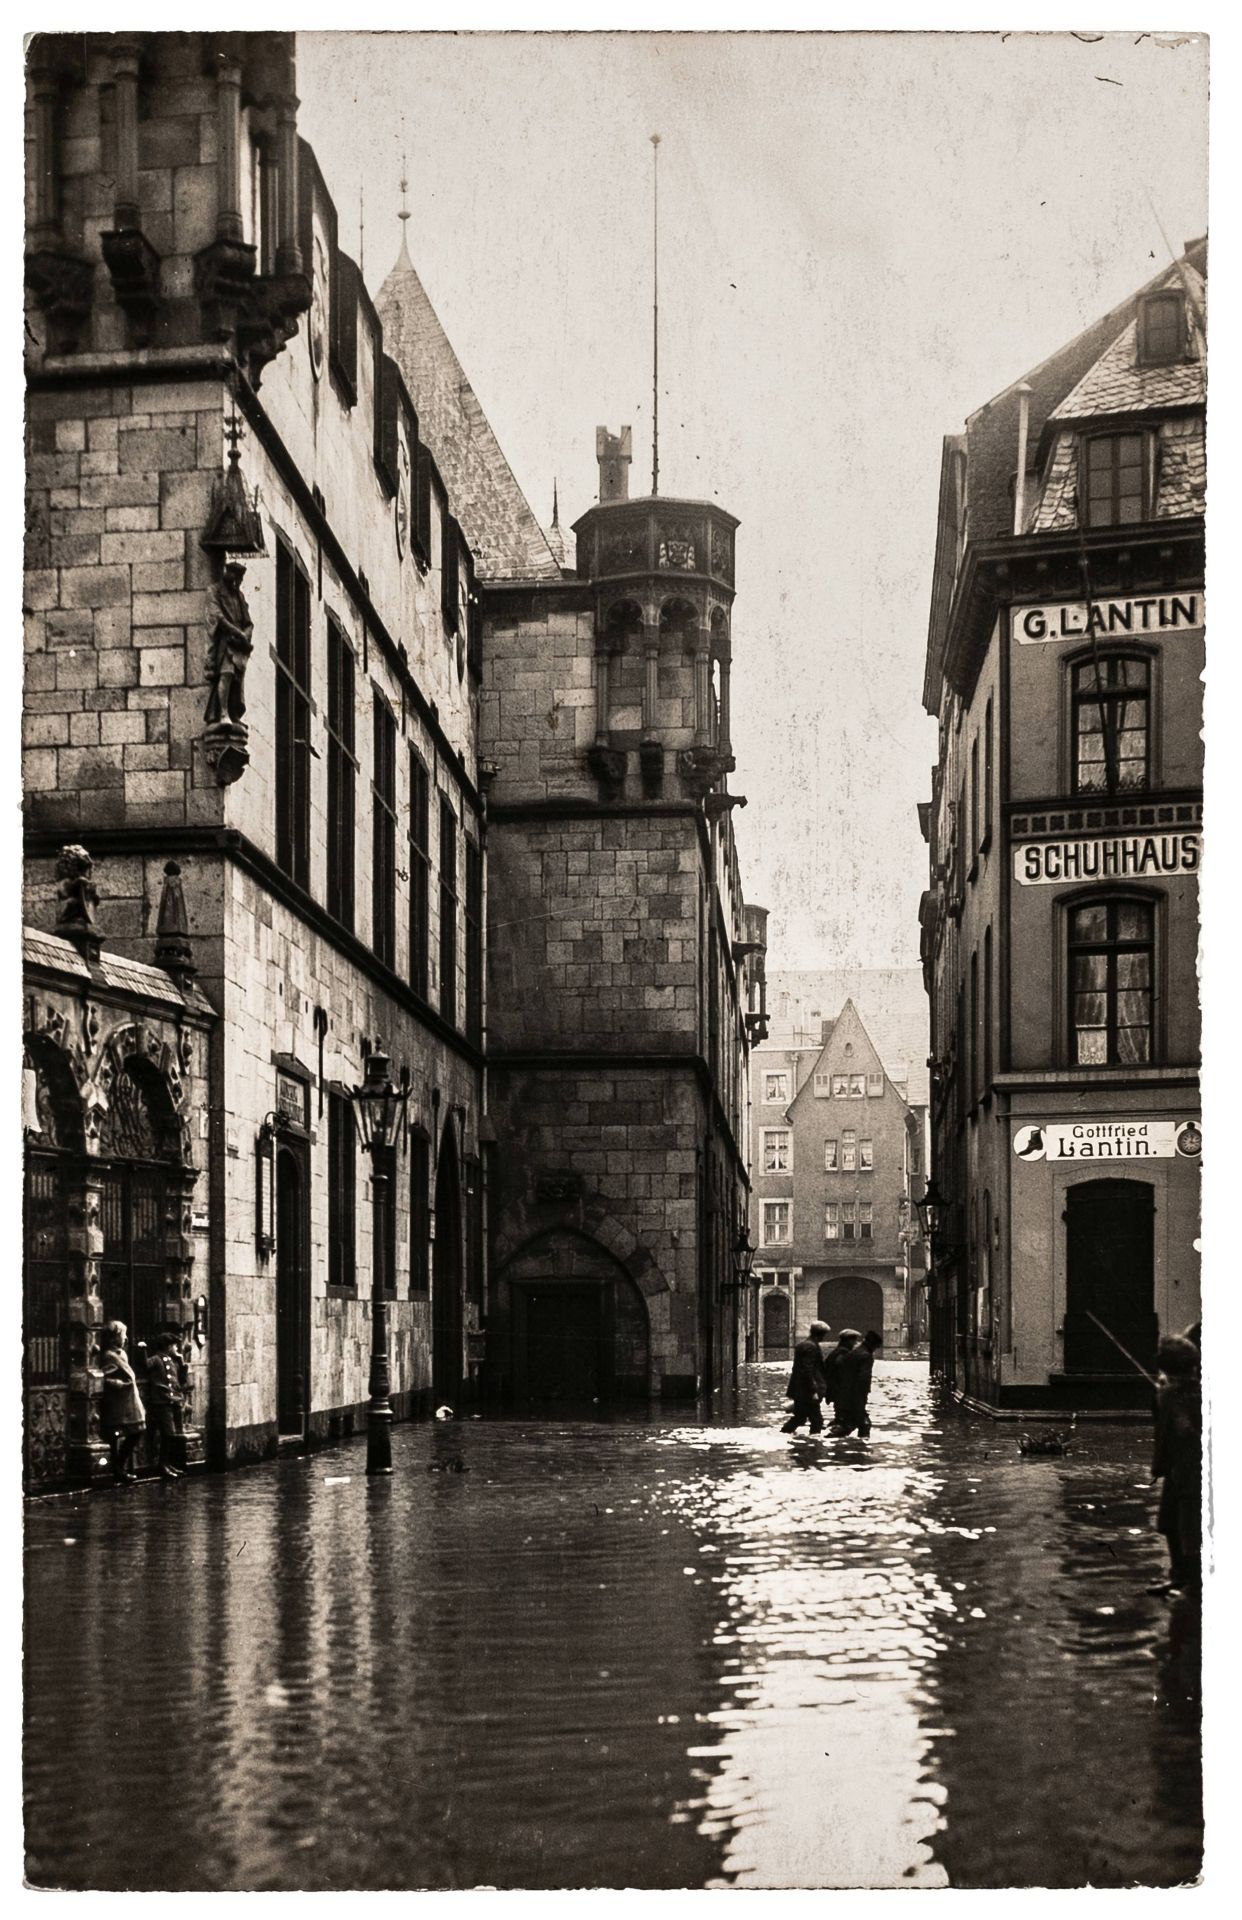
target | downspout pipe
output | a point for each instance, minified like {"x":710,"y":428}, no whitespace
{"x":1024,"y":428}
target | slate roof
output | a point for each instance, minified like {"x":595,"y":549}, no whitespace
{"x":57,"y":955}
{"x":1118,"y":384}
{"x":503,"y":534}
{"x":890,"y":1001}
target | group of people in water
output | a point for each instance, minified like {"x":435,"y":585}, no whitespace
{"x":841,"y":1377}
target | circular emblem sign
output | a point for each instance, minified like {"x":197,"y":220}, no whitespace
{"x":1189,"y":1139}
{"x":1028,"y":1143}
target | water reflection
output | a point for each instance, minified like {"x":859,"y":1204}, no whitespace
{"x":617,"y":1654}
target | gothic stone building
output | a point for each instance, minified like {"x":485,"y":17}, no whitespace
{"x":1061,"y":925}
{"x":265,"y":526}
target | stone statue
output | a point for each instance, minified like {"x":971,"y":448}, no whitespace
{"x":231,"y":647}
{"x":78,"y":895}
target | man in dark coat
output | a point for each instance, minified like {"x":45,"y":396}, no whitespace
{"x":834,"y":1367}
{"x":854,"y":1376}
{"x":807,"y":1386}
{"x":1178,"y":1462}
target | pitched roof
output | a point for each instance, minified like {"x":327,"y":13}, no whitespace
{"x":1117,"y":383}
{"x":504,"y":536}
{"x":891,"y":1003}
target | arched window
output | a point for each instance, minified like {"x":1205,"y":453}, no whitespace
{"x":1110,"y":698}
{"x":1111,"y":957}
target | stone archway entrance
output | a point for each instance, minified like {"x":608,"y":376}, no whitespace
{"x":578,"y":1324}
{"x":851,"y":1300}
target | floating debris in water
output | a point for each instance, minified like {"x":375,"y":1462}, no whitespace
{"x":337,"y":1479}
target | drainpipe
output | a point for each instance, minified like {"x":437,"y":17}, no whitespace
{"x":1024,"y":427}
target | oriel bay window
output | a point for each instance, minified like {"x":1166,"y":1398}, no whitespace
{"x":1111,"y":709}
{"x":342,"y":777}
{"x":293,"y":702}
{"x":384,"y":832}
{"x":1111,"y":955}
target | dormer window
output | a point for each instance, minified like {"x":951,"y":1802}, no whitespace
{"x":1116,"y":479}
{"x":1161,"y":329}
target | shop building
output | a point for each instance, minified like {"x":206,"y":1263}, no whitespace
{"x":1060,"y":928}
{"x":837,"y":1159}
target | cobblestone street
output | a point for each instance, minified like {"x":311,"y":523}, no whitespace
{"x":651,"y":1653}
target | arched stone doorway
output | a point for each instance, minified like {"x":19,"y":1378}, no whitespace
{"x":578,"y":1324}
{"x":851,"y":1300}
{"x":446,"y":1277}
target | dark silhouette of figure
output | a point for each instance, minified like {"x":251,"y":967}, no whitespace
{"x":165,"y":1401}
{"x":231,"y":646}
{"x":807,"y":1386}
{"x":854,"y":1375}
{"x":122,"y":1420}
{"x":1178,"y":1462}
{"x":847,"y":1339}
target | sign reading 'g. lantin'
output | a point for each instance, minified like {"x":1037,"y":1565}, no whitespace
{"x":1104,"y":619}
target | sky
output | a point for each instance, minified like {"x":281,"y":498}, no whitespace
{"x":862,"y":238}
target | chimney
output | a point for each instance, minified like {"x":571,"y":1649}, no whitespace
{"x":612,"y":450}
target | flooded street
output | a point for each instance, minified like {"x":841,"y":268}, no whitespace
{"x":647,"y":1653}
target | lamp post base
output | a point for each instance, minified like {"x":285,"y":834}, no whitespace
{"x":379,"y":1439}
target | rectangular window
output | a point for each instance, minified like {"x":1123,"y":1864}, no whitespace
{"x":384,"y":1223}
{"x":342,"y":1192}
{"x":777,"y":1150}
{"x":448,"y":571}
{"x":858,"y":1086}
{"x":976,"y":1053}
{"x":777,"y":1222}
{"x":420,"y":1213}
{"x":823,"y":1086}
{"x":420,"y":868}
{"x":1161,"y":329}
{"x":384,"y":832}
{"x":1110,"y":700}
{"x":474,"y":943}
{"x":875,"y":1086}
{"x":776,"y":1089}
{"x":987,"y":1011}
{"x":976,"y":812}
{"x":865,"y":1162}
{"x":342,"y":777}
{"x":448,"y":911}
{"x":1111,"y":953}
{"x":422,"y":507}
{"x":840,"y":1086}
{"x":849,"y":1220}
{"x":987,"y":773}
{"x":864,"y":1219}
{"x":1116,"y":473}
{"x":830,"y":1156}
{"x":849,"y":1152}
{"x":832,"y":1220}
{"x":293,"y":683}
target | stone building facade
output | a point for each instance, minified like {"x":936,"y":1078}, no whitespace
{"x":272,"y":551}
{"x":1060,"y":929}
{"x":208,"y":386}
{"x":836,"y":1165}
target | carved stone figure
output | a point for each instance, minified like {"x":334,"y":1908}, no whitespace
{"x":75,"y":919}
{"x":231,"y":647}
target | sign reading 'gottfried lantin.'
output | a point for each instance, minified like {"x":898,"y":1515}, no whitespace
{"x":1103,"y":619}
{"x":1135,"y":856}
{"x":1125,"y":1139}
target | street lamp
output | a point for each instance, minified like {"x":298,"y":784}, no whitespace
{"x":378,"y":1107}
{"x":931,"y":1210}
{"x":743,"y":1259}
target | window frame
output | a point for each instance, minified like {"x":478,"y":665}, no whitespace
{"x":768,"y":1137}
{"x":766,"y":1208}
{"x":832,"y":1151}
{"x":342,"y":1197}
{"x":849,"y":1150}
{"x":294,"y":707}
{"x":1114,"y":436}
{"x":383,"y":830}
{"x":342,"y":775}
{"x":1109,"y":656}
{"x":1161,"y":297}
{"x":877,"y":1092}
{"x":832,"y":1219}
{"x":474,"y":941}
{"x":1112,"y":900}
{"x":449,"y":827}
{"x":866,"y":1155}
{"x":775,"y":1099}
{"x":419,"y":906}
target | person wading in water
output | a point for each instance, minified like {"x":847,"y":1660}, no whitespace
{"x":807,"y":1386}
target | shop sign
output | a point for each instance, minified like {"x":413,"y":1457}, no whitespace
{"x":1135,"y":856}
{"x":1130,"y":1138}
{"x":291,"y":1102}
{"x":1105,"y":619}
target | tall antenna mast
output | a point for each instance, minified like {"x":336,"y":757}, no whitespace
{"x":404,"y":214}
{"x":655,"y":314}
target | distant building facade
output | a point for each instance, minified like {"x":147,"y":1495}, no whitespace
{"x":837,"y":1155}
{"x":1060,"y":928}
{"x":269,"y":538}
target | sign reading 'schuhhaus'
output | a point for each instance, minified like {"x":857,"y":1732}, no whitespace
{"x":1074,"y":620}
{"x":1135,"y":856}
{"x":1124,"y":1139}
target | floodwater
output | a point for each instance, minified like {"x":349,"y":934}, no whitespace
{"x":643,"y":1653}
